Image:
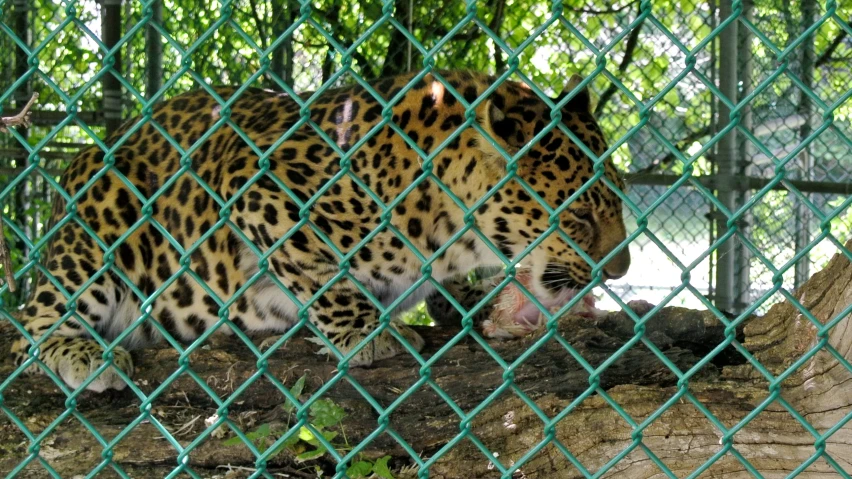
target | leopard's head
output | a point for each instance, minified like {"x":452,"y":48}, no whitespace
{"x":554,"y":168}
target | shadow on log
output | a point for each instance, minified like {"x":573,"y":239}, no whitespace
{"x":681,"y":436}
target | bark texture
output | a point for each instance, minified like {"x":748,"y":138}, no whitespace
{"x":682,"y":437}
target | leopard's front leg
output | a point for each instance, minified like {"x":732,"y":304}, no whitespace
{"x":346,"y":317}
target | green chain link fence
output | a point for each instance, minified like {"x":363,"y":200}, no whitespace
{"x":61,"y":50}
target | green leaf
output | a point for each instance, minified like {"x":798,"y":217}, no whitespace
{"x":329,"y":435}
{"x":296,"y":391}
{"x":233,"y":441}
{"x":698,"y":25}
{"x":260,"y":432}
{"x":306,"y":435}
{"x":307,"y":456}
{"x":292,"y":440}
{"x":359,"y":469}
{"x":287,"y":444}
{"x":326,"y":413}
{"x":672,"y":97}
{"x":372,"y":9}
{"x":380,"y":468}
{"x":662,"y":64}
{"x":593,"y":26}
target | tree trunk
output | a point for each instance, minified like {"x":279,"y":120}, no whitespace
{"x":111,"y":26}
{"x":394,"y":62}
{"x":154,"y":51}
{"x":20,"y":206}
{"x":284,"y":14}
{"x":328,"y":64}
{"x":773,"y":442}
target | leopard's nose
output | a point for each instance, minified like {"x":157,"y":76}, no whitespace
{"x":617,"y":267}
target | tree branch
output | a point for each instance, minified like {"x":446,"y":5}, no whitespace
{"x":825,"y":56}
{"x":466,"y":36}
{"x":393,"y":62}
{"x":340,"y":38}
{"x":6,"y":260}
{"x":496,"y":23}
{"x":333,"y":20}
{"x":682,"y":144}
{"x":629,"y":50}
{"x":493,"y":25}
{"x":606,"y":11}
{"x":23,"y":118}
{"x":260,"y":29}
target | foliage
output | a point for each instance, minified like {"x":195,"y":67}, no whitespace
{"x":417,"y":316}
{"x":324,"y":414}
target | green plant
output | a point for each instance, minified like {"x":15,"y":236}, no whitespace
{"x":304,"y":445}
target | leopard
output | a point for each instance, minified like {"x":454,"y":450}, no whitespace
{"x":241,"y":208}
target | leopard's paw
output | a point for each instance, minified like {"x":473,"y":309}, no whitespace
{"x":383,"y":346}
{"x":74,"y":360}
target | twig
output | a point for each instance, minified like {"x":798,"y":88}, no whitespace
{"x":187,"y":427}
{"x":23,"y":118}
{"x":825,"y":57}
{"x":682,"y":145}
{"x":629,"y":50}
{"x":289,"y":470}
{"x":6,"y":260}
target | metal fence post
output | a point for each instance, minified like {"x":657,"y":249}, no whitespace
{"x":726,"y":161}
{"x":802,"y":213}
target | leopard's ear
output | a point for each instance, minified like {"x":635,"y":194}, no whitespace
{"x":581,"y":102}
{"x":502,"y":131}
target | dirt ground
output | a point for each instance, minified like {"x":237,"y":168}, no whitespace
{"x":551,"y":377}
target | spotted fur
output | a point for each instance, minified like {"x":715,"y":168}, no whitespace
{"x":214,"y":236}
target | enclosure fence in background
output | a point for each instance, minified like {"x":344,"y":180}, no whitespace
{"x":715,"y":170}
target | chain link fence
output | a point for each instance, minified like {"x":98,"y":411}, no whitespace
{"x":731,"y":227}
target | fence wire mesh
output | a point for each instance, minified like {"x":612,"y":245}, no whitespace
{"x":654,"y":68}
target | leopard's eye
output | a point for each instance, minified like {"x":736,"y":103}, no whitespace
{"x":583,"y":214}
